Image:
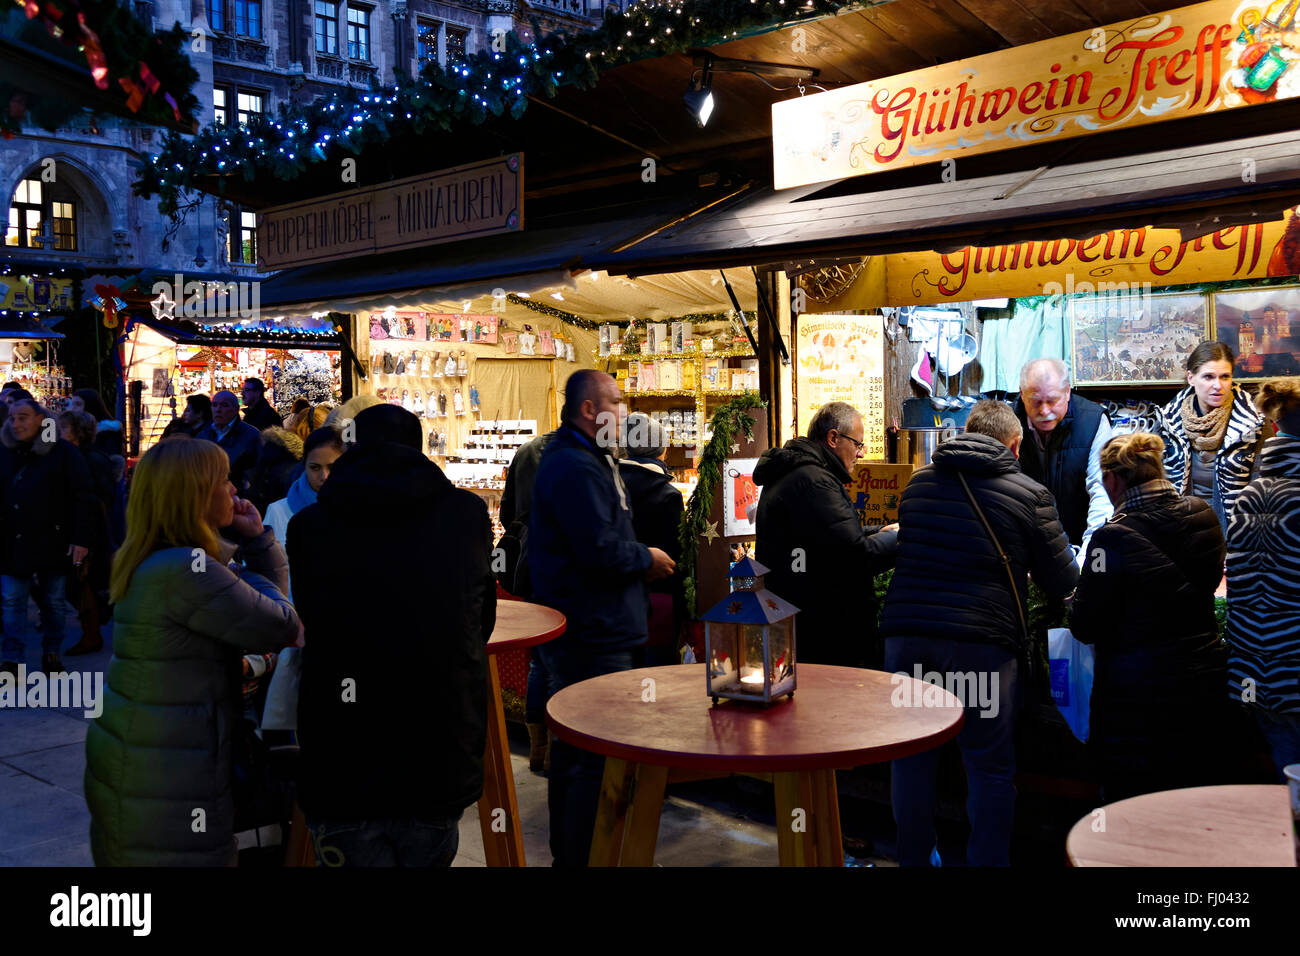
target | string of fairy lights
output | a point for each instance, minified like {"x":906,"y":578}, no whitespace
{"x":491,"y":83}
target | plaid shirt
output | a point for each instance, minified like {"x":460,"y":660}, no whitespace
{"x":1147,"y":494}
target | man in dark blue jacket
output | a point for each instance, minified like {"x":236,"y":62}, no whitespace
{"x":585,"y":562}
{"x":240,"y":440}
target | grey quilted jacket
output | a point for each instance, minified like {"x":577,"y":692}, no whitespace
{"x":161,"y":752}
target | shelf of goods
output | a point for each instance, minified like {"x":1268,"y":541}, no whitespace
{"x":480,"y":464}
{"x":702,"y":375}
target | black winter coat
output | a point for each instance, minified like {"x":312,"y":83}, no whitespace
{"x":261,"y":415}
{"x":391,"y":576}
{"x":241,"y":445}
{"x":583,"y":554}
{"x":276,"y":468}
{"x":656,"y":514}
{"x":1149,"y":612}
{"x":805,"y":505}
{"x":47,"y":504}
{"x":949,"y":583}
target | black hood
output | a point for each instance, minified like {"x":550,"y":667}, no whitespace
{"x":776,"y":463}
{"x":976,"y":455}
{"x":382,"y":477}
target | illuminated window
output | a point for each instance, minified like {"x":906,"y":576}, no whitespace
{"x":426,"y":41}
{"x":219,"y":114}
{"x":358,"y":33}
{"x":65,"y":226}
{"x":249,"y":105}
{"x":327,"y":27}
{"x":25,"y":215}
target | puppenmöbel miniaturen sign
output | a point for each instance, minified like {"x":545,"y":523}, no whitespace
{"x":1215,"y":56}
{"x":465,"y":202}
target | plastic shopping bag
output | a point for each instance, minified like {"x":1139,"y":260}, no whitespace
{"x":281,"y":712}
{"x":1071,"y":664}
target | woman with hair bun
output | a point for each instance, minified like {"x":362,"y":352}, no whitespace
{"x":1264,"y":581}
{"x":1146,"y":603}
{"x":1212,"y":432}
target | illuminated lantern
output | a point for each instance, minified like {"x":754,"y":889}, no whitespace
{"x":749,"y":641}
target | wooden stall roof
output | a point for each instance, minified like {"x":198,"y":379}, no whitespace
{"x":1197,"y":188}
{"x":585,"y":140}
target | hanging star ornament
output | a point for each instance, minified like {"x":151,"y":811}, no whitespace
{"x":163,"y":307}
{"x":711,"y":532}
{"x":735,"y":448}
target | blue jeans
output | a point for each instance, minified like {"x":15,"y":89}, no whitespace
{"x":573,"y":789}
{"x":405,"y":842}
{"x":987,"y":752}
{"x":50,"y":593}
{"x":1283,"y":734}
{"x":538,"y":691}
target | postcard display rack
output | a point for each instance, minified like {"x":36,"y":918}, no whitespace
{"x":480,"y":464}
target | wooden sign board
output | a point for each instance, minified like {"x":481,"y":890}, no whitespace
{"x":876,"y":490}
{"x":1116,"y":261}
{"x":478,"y":199}
{"x":841,"y":358}
{"x":1211,"y":57}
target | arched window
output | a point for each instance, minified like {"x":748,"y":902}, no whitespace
{"x":34,"y":204}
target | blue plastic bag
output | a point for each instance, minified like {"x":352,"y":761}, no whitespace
{"x":1071,"y":665}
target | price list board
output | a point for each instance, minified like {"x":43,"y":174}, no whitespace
{"x":841,"y":358}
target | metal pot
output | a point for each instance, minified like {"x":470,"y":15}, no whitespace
{"x":923,"y":441}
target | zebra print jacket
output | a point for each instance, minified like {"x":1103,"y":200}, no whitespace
{"x":1235,"y":458}
{"x":1264,"y":581}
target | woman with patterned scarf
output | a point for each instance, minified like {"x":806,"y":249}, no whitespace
{"x":1212,"y":432}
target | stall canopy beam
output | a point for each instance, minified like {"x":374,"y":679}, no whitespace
{"x":1200,"y":185}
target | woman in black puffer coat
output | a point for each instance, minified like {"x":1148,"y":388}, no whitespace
{"x":1146,"y":603}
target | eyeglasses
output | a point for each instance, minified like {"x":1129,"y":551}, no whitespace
{"x":858,"y":445}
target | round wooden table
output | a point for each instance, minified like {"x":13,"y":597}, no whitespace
{"x":656,"y":726}
{"x":1240,"y":825}
{"x":519,"y":624}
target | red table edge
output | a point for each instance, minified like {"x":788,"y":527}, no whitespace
{"x":533,"y":639}
{"x":751,"y":763}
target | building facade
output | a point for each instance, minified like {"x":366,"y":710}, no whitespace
{"x":71,"y":204}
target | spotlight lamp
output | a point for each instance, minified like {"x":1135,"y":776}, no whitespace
{"x":699,"y":90}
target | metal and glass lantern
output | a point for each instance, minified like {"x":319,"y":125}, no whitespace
{"x":749,"y":640}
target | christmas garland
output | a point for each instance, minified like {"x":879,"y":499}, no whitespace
{"x":147,"y":72}
{"x":491,"y":83}
{"x":726,"y":421}
{"x":692,"y":317}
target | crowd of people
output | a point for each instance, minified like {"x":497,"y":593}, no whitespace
{"x":252,"y":544}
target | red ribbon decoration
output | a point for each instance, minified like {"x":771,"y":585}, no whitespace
{"x":150,"y":81}
{"x":110,"y":293}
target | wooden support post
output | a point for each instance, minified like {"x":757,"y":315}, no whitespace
{"x":500,"y":847}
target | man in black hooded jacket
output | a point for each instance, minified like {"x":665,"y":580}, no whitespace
{"x":950,"y":611}
{"x":822,"y":560}
{"x":391,"y":576}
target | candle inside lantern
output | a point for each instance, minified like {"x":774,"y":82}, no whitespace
{"x":755,"y":677}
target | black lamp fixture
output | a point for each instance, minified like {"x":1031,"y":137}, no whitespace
{"x":699,"y":91}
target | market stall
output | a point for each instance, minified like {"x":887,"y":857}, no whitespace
{"x":29,"y":355}
{"x":163,"y":362}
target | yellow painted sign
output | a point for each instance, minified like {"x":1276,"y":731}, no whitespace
{"x":36,"y":293}
{"x":1215,"y":56}
{"x":841,"y":358}
{"x":1120,"y":259}
{"x":478,"y":199}
{"x":876,"y":490}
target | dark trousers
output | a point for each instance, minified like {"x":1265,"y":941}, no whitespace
{"x":410,"y":842}
{"x":573,"y":789}
{"x":538,"y":690}
{"x":987,"y":752}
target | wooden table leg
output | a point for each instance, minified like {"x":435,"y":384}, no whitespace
{"x":825,"y":822}
{"x":647,"y":804}
{"x":794,"y":810}
{"x":627,"y":816}
{"x":498,"y":809}
{"x":611,"y":812}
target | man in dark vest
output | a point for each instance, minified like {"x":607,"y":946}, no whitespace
{"x":1064,"y":435}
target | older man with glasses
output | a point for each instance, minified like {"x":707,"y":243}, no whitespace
{"x":240,"y":439}
{"x":809,"y":534}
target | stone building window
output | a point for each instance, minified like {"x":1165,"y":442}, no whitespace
{"x":327,"y":27}
{"x":426,"y":42}
{"x":241,"y":239}
{"x":240,"y":17}
{"x":249,"y":105}
{"x":457,"y":40}
{"x":31,"y":205}
{"x":220,"y":98}
{"x":358,"y":33}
